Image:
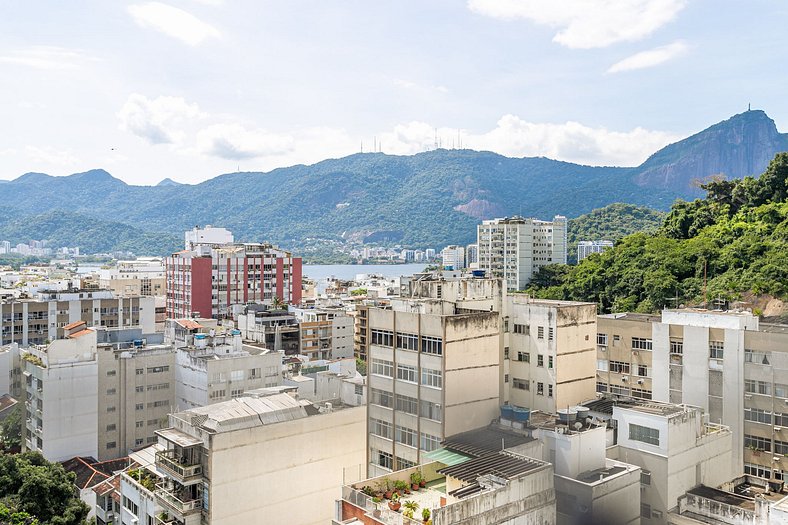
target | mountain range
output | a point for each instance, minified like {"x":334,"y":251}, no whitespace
{"x":425,"y":200}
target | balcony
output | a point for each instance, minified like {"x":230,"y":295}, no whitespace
{"x":171,"y":500}
{"x":182,"y":468}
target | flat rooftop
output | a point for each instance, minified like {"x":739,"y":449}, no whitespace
{"x":484,"y":441}
{"x":721,"y":496}
{"x":630,"y":316}
{"x":523,"y":298}
{"x":606,"y":405}
{"x":503,"y":464}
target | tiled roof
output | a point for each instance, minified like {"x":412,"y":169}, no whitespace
{"x":6,"y":402}
{"x":73,"y":325}
{"x":91,"y":472}
{"x":80,"y":333}
{"x":189,"y":324}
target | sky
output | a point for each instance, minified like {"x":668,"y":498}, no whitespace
{"x":191,"y":89}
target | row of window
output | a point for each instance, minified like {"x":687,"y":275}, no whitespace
{"x":620,"y":367}
{"x":407,"y":404}
{"x":429,"y":345}
{"x":429,"y":377}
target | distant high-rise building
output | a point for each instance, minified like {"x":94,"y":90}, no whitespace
{"x":429,"y":253}
{"x":5,"y":247}
{"x":586,"y":248}
{"x":209,"y":279}
{"x":516,"y":248}
{"x":472,"y":255}
{"x":208,"y":235}
{"x":453,"y":257}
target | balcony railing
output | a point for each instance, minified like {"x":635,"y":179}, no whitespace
{"x":173,"y":502}
{"x":182,"y":469}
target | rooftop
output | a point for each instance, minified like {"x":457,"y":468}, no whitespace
{"x":721,"y":496}
{"x":484,"y":441}
{"x":606,"y":405}
{"x":503,"y":464}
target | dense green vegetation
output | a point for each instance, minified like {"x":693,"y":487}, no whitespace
{"x":43,"y":490}
{"x":737,"y":236}
{"x":611,"y":223}
{"x":11,"y":429}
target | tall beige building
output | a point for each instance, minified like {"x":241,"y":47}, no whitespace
{"x":516,"y":248}
{"x":728,"y":363}
{"x":433,"y":371}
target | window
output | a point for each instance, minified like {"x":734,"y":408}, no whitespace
{"x":236,"y":392}
{"x":158,"y":369}
{"x":549,"y":361}
{"x":619,"y":367}
{"x":641,"y":393}
{"x":139,"y":406}
{"x":757,"y":470}
{"x":381,"y":367}
{"x":407,"y":373}
{"x":358,"y":390}
{"x":757,"y":358}
{"x":540,"y":332}
{"x":383,"y":459}
{"x":601,"y":365}
{"x":539,"y":389}
{"x":218,"y":394}
{"x":254,"y":373}
{"x":780,"y":447}
{"x":139,"y":389}
{"x":139,"y":424}
{"x":382,"y":398}
{"x":677,"y":347}
{"x":506,"y":378}
{"x":781,"y":420}
{"x":431,"y":410}
{"x":382,"y":338}
{"x":523,"y":329}
{"x":645,"y":510}
{"x":110,"y":409}
{"x":138,"y":442}
{"x":431,"y":345}
{"x":757,"y":443}
{"x":521,"y":384}
{"x":643,"y":370}
{"x":111,"y":428}
{"x":550,"y":390}
{"x":645,"y":477}
{"x":111,"y":373}
{"x":237,"y":375}
{"x":640,"y":343}
{"x":404,"y":463}
{"x":380,"y":428}
{"x":601,"y":339}
{"x":716,"y":349}
{"x":781,"y":390}
{"x":111,"y":445}
{"x":140,"y":371}
{"x":408,"y":341}
{"x":130,"y":505}
{"x":433,"y":378}
{"x":644,"y":434}
{"x":407,"y":404}
{"x":506,"y":352}
{"x":539,"y":360}
{"x":406,"y":436}
{"x":428,"y":442}
{"x":524,"y":357}
{"x":601,"y":386}
{"x":550,"y":334}
{"x":111,"y":391}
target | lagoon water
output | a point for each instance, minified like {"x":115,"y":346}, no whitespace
{"x":319,"y":272}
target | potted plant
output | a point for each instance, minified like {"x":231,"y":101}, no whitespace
{"x":425,"y":514}
{"x":407,"y":513}
{"x":415,"y":478}
{"x":394,"y":503}
{"x":368,"y":491}
{"x":400,"y":486}
{"x":375,"y":501}
{"x":412,"y":506}
{"x":388,"y":488}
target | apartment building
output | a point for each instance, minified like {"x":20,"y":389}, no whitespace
{"x":515,"y":248}
{"x":472,"y":256}
{"x":586,"y":248}
{"x":61,"y":386}
{"x":728,"y":363}
{"x":136,"y":392}
{"x":433,"y":370}
{"x":260,"y":458}
{"x":143,"y":276}
{"x":549,"y":353}
{"x":675,"y":445}
{"x":326,"y":333}
{"x":41,"y":318}
{"x":453,"y":257}
{"x":209,"y":279}
{"x":213,"y":365}
{"x":277,"y":330}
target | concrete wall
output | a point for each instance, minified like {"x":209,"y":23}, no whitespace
{"x":289,"y":472}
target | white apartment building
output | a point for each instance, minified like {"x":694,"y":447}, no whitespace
{"x":61,"y":410}
{"x":277,"y":330}
{"x":549,"y":353}
{"x":728,"y":363}
{"x":472,"y":256}
{"x":516,"y":248}
{"x":453,"y":257}
{"x":143,"y":276}
{"x":586,"y":248}
{"x":41,"y":319}
{"x":216,"y":366}
{"x":326,"y":333}
{"x":259,"y":458}
{"x":433,"y":370}
{"x":207,"y":236}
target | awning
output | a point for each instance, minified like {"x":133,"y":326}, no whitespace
{"x":173,"y":435}
{"x":447,"y":457}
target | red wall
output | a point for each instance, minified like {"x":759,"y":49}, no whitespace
{"x":295,"y":279}
{"x":280,"y":278}
{"x":202,"y":286}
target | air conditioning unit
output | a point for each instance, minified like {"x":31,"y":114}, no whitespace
{"x":776,"y":459}
{"x":640,"y":381}
{"x":603,"y":348}
{"x":777,"y":429}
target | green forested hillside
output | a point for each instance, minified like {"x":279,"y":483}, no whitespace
{"x":737,"y":235}
{"x":611,"y":223}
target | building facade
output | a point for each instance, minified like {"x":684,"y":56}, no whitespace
{"x":453,"y":257}
{"x":516,"y":248}
{"x":586,"y":248}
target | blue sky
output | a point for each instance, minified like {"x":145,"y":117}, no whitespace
{"x":191,"y":89}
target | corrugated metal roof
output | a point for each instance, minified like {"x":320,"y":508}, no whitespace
{"x":173,"y":435}
{"x":246,"y":412}
{"x":502,"y":464}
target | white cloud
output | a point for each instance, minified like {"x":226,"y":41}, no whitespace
{"x":515,"y":137}
{"x":173,"y":22}
{"x":47,"y":57}
{"x":407,"y":84}
{"x":584,"y":24}
{"x":650,"y":58}
{"x":160,"y":120}
{"x":49,"y":155}
{"x":235,"y":142}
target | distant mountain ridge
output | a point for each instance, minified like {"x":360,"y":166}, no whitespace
{"x":428,"y":199}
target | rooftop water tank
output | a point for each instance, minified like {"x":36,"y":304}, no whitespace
{"x":507,"y":412}
{"x":521,"y":414}
{"x":567,"y":415}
